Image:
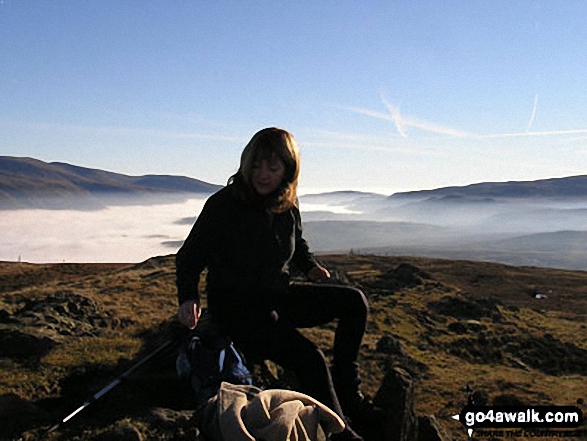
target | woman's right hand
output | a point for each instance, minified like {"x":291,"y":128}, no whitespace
{"x":189,"y":313}
{"x":319,"y":274}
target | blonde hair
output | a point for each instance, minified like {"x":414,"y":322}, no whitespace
{"x":265,"y":145}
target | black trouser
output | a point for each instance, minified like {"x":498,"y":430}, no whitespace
{"x":274,"y":336}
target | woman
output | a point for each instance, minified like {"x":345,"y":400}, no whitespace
{"x":248,"y":235}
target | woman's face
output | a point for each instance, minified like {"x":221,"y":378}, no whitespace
{"x":267,"y":175}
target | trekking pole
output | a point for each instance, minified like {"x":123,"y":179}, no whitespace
{"x":111,"y":385}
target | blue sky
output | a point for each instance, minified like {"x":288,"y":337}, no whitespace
{"x":381,"y":95}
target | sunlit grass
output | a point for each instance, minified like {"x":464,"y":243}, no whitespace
{"x":137,"y":299}
{"x":92,"y":350}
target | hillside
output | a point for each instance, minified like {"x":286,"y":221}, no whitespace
{"x":569,"y":187}
{"x":28,"y":177}
{"x":27,"y":182}
{"x":560,"y":249}
{"x":68,"y":329}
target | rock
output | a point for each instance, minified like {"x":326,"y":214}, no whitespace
{"x":63,"y":314}
{"x":466,"y":308}
{"x":430,"y":430}
{"x":410,"y":275}
{"x":404,"y":276}
{"x":389,"y":345}
{"x":396,"y":397}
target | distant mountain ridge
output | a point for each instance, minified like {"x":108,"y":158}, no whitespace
{"x":22,"y":178}
{"x":568,"y":187}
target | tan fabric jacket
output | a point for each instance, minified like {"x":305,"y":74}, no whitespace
{"x":246,"y":413}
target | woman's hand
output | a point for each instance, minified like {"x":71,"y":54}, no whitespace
{"x":318,"y":274}
{"x":189,"y":313}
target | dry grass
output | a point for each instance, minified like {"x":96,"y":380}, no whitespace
{"x":439,"y":326}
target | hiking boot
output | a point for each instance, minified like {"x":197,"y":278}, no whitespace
{"x":361,"y":410}
{"x":346,"y":381}
{"x":351,"y":400}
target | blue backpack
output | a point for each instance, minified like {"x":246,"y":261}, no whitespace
{"x":207,"y":359}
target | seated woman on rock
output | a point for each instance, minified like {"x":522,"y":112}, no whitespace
{"x":247,"y":236}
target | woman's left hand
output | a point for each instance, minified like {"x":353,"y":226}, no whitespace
{"x":318,"y":274}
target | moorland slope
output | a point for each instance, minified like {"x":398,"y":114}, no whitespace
{"x":510,"y":334}
{"x":31,"y":182}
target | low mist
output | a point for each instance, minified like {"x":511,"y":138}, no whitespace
{"x":129,"y":232}
{"x":537,"y":232}
{"x":545,"y":232}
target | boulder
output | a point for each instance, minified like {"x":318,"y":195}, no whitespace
{"x":401,"y":423}
{"x":396,"y":397}
{"x":430,"y":430}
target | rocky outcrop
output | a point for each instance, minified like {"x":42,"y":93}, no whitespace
{"x":401,"y":423}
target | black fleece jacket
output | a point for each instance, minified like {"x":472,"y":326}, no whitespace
{"x":247,"y":251}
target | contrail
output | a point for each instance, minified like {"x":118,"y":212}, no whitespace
{"x":404,"y":121}
{"x":395,"y":117}
{"x":533,"y":116}
{"x":536,"y":134}
{"x":408,"y":121}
